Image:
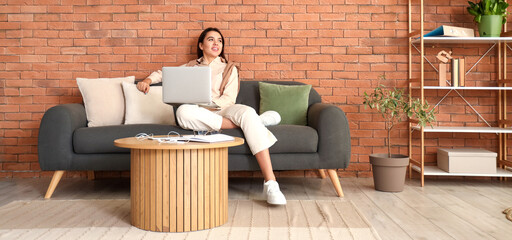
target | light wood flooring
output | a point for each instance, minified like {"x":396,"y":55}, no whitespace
{"x":443,"y":209}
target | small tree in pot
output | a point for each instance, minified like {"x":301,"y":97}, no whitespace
{"x":394,"y":107}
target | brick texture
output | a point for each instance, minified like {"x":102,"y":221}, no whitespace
{"x":338,"y":46}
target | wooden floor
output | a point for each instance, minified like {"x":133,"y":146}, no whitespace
{"x":443,"y":209}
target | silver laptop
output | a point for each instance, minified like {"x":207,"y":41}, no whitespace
{"x":181,"y":85}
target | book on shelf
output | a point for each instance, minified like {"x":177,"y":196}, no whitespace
{"x":451,"y":31}
{"x":455,"y":72}
{"x":462,"y":72}
{"x":458,"y":72}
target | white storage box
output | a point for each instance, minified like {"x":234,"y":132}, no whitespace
{"x":466,"y":160}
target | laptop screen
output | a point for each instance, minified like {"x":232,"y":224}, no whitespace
{"x":182,"y":85}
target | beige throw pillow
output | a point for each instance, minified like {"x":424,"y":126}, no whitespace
{"x":103,"y":100}
{"x":146,"y":108}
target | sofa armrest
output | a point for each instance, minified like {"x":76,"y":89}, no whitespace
{"x":333,"y":135}
{"x":55,"y":141}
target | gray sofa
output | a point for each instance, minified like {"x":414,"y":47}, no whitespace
{"x":66,"y":143}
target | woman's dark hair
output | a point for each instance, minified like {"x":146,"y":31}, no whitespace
{"x":201,"y":39}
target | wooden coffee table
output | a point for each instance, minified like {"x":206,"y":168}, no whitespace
{"x":178,"y":187}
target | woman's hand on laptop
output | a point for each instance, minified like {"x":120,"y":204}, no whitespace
{"x":143,"y":85}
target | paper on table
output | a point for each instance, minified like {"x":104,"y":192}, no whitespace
{"x":209,"y":138}
{"x":196,"y":138}
{"x":169,"y":139}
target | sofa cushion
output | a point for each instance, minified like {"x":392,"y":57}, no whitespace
{"x":250,"y":93}
{"x":146,"y":108}
{"x":291,"y":102}
{"x":101,"y":139}
{"x":291,"y":138}
{"x":103,"y":100}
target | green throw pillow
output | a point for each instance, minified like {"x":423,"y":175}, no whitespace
{"x":290,"y":101}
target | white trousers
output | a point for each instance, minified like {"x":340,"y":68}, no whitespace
{"x":196,"y":118}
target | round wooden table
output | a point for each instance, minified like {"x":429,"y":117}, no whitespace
{"x":178,"y":187}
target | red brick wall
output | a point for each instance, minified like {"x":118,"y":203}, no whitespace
{"x":338,"y":46}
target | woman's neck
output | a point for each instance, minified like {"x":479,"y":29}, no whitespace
{"x":207,"y":60}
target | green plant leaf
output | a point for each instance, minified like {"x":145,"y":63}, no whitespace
{"x":478,"y":18}
{"x":494,"y":9}
{"x":486,"y":7}
{"x":472,"y":12}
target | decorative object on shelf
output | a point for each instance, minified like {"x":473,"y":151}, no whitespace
{"x":490,"y":16}
{"x":451,"y":31}
{"x":394,"y":105}
{"x":443,"y":57}
{"x":466,"y":160}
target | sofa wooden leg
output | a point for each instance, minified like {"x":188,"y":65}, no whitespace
{"x":53,"y":184}
{"x":322,"y":173}
{"x":335,"y":181}
{"x":90,"y":175}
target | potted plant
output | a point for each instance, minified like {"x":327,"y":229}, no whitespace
{"x":389,"y":169}
{"x":490,"y":16}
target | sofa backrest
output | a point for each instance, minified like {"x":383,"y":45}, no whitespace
{"x":250,"y":93}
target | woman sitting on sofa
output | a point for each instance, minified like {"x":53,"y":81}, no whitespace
{"x":225,"y":82}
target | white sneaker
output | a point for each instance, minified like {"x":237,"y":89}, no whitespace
{"x":273,"y":193}
{"x":270,"y":118}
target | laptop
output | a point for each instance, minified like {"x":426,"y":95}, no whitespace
{"x":187,"y":85}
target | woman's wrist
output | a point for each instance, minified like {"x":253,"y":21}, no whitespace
{"x":147,"y":81}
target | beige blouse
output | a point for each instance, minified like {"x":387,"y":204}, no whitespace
{"x":217,"y":66}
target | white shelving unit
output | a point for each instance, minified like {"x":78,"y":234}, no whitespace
{"x":418,"y":42}
{"x":435,"y":171}
{"x":463,"y":88}
{"x":467,"y":40}
{"x":464,"y":129}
